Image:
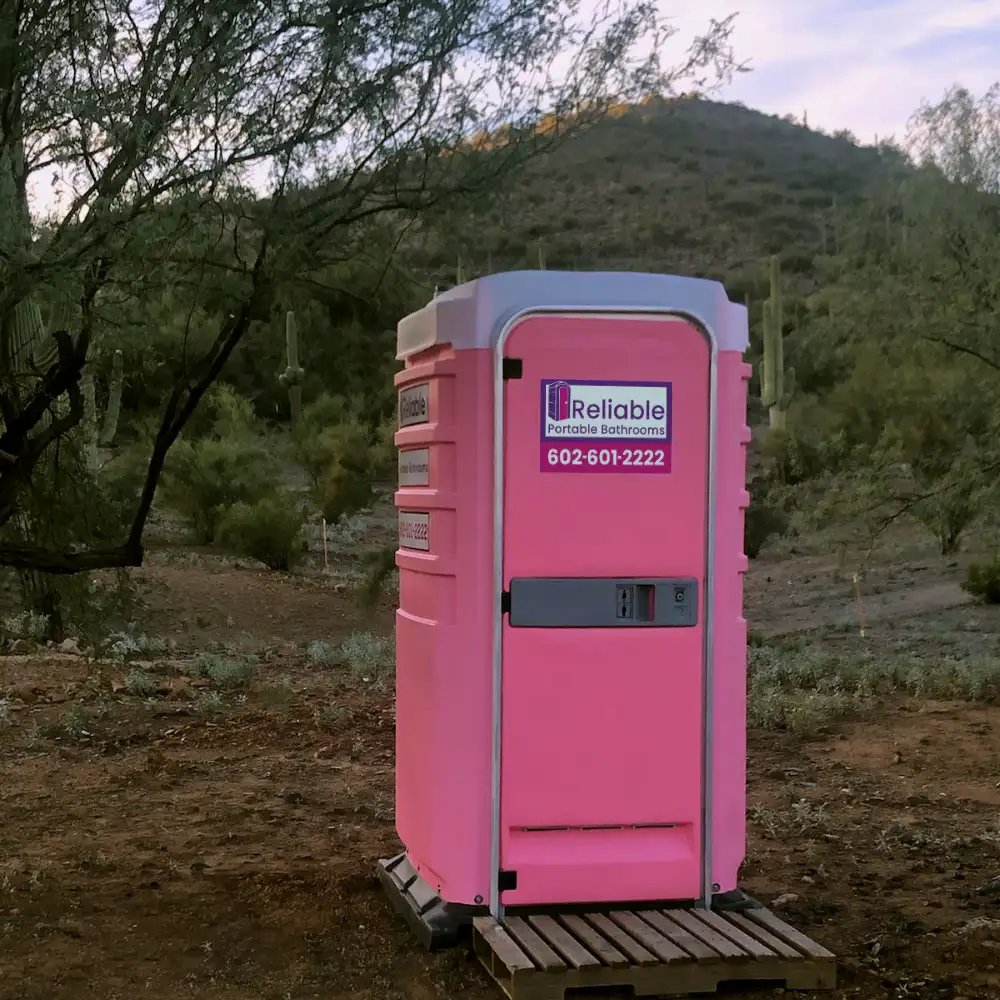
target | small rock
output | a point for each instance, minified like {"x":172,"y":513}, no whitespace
{"x":25,"y":693}
{"x":70,"y":646}
{"x":784,"y":899}
{"x":63,"y":926}
{"x":179,"y":687}
{"x":992,"y":887}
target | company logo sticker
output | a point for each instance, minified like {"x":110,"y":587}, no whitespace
{"x":415,"y":405}
{"x":414,"y":530}
{"x":605,"y":426}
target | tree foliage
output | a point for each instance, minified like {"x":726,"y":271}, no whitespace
{"x":910,"y":423}
{"x":215,"y":155}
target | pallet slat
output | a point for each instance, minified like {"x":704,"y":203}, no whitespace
{"x":680,"y":937}
{"x":618,"y":937}
{"x":545,"y":957}
{"x":650,"y":952}
{"x":502,"y":945}
{"x":773,"y":942}
{"x":742,"y":940}
{"x":649,"y":937}
{"x":797,"y":939}
{"x":708,"y":935}
{"x":564,"y":943}
{"x":600,"y":946}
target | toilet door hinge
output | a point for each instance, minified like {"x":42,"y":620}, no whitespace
{"x":512,"y":368}
{"x":507,"y":881}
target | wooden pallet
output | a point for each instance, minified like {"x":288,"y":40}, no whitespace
{"x":653,"y":952}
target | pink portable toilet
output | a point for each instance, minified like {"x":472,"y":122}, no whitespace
{"x":570,"y":641}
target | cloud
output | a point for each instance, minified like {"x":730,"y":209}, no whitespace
{"x":862,"y":65}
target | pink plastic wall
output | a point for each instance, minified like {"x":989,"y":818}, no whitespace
{"x":444,"y":627}
{"x":444,"y":662}
{"x":729,"y":729}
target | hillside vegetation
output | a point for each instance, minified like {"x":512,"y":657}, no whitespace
{"x":862,"y":268}
{"x":689,"y":186}
{"x":876,"y":267}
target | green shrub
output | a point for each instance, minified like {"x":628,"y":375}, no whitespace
{"x":982,"y":580}
{"x":383,"y":454}
{"x":268,"y":530}
{"x":345,"y":490}
{"x":372,"y":657}
{"x":224,"y":672}
{"x":320,"y":449}
{"x":222,"y":413}
{"x":120,"y":484}
{"x":381,"y":565}
{"x":791,"y":459}
{"x":326,"y":411}
{"x":141,"y":683}
{"x":204,"y":478}
{"x":343,"y":463}
{"x":763,"y":520}
{"x":323,"y":654}
{"x":25,"y":625}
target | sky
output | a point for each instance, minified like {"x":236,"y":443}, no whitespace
{"x":862,"y":65}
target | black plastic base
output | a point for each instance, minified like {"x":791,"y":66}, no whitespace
{"x":436,"y":922}
{"x":735,"y":901}
{"x":440,"y":924}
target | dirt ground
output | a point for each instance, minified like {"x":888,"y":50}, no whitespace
{"x":167,"y":845}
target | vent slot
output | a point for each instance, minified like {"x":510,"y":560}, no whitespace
{"x":595,"y":826}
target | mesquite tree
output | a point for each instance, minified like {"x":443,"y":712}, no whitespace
{"x":912,"y":427}
{"x":204,"y":150}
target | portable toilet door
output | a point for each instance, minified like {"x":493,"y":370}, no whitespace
{"x":604,"y":466}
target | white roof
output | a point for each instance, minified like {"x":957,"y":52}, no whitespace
{"x":473,"y":314}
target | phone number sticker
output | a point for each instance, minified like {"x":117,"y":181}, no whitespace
{"x":597,"y":426}
{"x":603,"y":459}
{"x":415,"y":530}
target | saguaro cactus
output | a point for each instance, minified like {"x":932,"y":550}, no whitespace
{"x":33,"y":349}
{"x":292,"y":376}
{"x":114,"y":408}
{"x":88,"y":425}
{"x":772,"y":383}
{"x":98,"y":434}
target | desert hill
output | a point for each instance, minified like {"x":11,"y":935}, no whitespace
{"x":688,"y":186}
